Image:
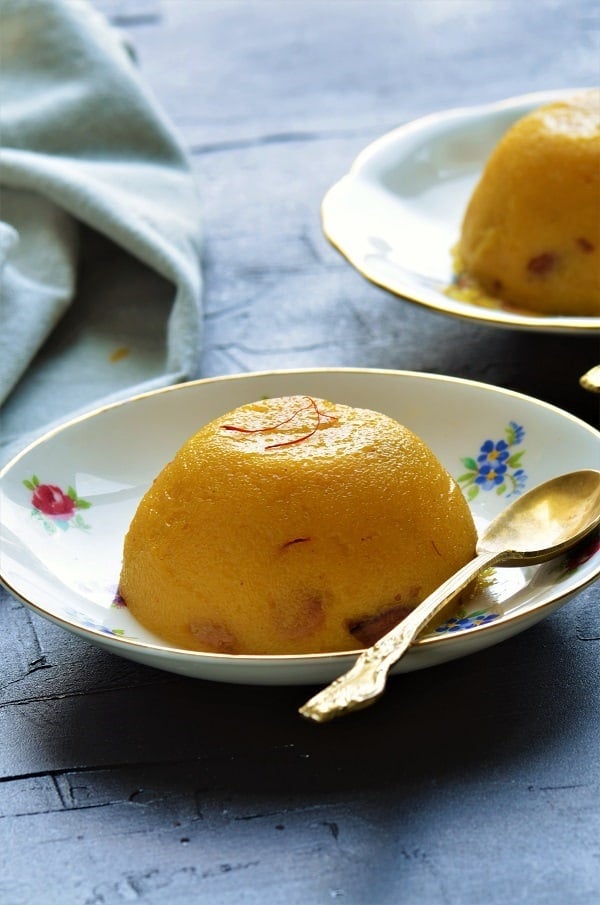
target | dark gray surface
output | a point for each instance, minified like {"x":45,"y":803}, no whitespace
{"x":474,"y":782}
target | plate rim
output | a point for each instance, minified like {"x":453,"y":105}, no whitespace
{"x":577,"y":325}
{"x":165,"y":651}
{"x":241,"y":376}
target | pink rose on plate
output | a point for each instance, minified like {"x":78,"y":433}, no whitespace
{"x":54,"y":506}
{"x":50,"y":500}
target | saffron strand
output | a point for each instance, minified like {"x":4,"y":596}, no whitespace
{"x":272,"y":427}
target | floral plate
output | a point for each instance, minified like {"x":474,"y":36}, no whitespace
{"x":67,"y":500}
{"x":397,"y":214}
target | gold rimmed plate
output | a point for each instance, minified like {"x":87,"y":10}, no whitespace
{"x":396,"y":215}
{"x":66,"y":502}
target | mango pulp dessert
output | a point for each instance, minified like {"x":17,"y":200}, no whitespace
{"x":531,"y":232}
{"x":293,"y":525}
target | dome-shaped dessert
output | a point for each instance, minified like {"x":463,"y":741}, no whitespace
{"x":531,"y":231}
{"x":293,"y":525}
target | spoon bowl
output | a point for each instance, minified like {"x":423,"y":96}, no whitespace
{"x":546,"y":521}
{"x":543,"y":523}
{"x":591,"y":379}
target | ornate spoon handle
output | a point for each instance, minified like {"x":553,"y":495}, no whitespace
{"x":365,"y":682}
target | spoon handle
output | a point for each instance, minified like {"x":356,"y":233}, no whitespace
{"x":365,"y":682}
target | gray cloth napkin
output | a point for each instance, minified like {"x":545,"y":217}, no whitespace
{"x":85,"y":145}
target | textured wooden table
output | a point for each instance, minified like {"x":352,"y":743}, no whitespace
{"x":474,"y":782}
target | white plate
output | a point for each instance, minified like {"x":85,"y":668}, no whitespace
{"x":396,"y":215}
{"x":66,"y":566}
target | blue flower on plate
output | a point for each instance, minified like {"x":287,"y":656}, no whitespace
{"x":496,"y":467}
{"x":493,"y":453}
{"x":463,"y":621}
{"x":86,"y":622}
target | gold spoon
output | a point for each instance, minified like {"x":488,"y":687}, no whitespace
{"x":541,"y":524}
{"x":591,"y":379}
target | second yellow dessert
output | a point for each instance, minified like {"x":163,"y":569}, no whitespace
{"x":531,"y":232}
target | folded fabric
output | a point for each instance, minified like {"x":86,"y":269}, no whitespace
{"x":85,"y":145}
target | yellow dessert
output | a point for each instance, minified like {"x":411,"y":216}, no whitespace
{"x":531,"y":232}
{"x":293,"y":525}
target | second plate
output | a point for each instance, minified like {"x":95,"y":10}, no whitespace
{"x":396,"y":215}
